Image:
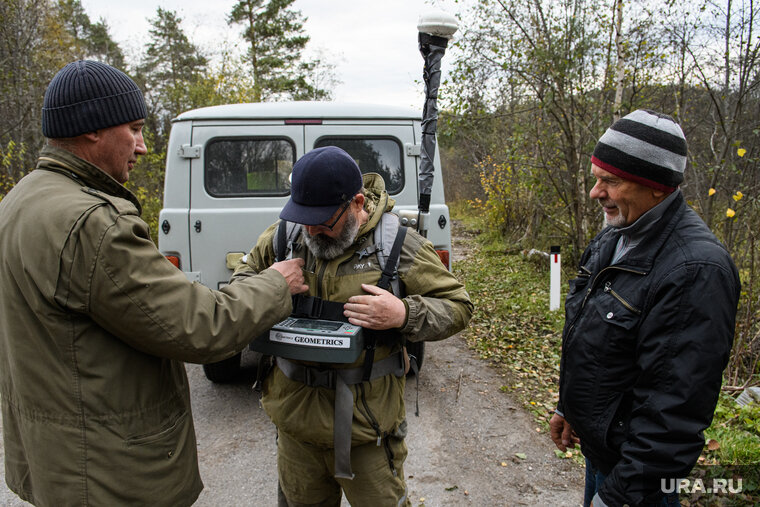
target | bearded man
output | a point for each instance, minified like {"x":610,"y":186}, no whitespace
{"x":337,"y":435}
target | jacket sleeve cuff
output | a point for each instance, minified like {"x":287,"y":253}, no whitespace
{"x":406,"y":319}
{"x":412,"y":313}
{"x":283,"y":289}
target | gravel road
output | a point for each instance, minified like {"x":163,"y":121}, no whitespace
{"x":462,"y":447}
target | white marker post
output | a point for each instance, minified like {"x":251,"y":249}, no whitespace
{"x":555,"y":264}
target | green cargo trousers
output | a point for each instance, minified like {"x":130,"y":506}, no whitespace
{"x":306,"y":474}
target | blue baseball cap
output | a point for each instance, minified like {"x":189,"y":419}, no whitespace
{"x":322,"y":181}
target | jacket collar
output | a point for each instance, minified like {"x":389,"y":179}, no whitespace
{"x":83,"y":172}
{"x":648,"y":220}
{"x":655,"y":232}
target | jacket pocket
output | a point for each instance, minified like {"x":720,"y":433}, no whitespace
{"x":616,"y":430}
{"x":607,"y":431}
{"x":617,"y":310}
{"x":166,"y":432}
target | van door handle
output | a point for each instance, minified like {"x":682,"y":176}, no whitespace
{"x":197,"y":226}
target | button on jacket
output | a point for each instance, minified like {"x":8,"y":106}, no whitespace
{"x":93,"y":325}
{"x":644,"y":347}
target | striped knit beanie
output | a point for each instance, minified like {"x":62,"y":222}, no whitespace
{"x":86,"y":96}
{"x":646,"y":147}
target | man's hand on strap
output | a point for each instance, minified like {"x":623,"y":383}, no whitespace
{"x":378,"y":310}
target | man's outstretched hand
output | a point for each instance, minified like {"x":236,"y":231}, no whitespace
{"x":291,"y":270}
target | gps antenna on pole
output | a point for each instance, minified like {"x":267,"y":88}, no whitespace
{"x":435,"y":30}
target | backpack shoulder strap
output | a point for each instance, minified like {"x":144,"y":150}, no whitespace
{"x":389,"y":238}
{"x":282,"y":241}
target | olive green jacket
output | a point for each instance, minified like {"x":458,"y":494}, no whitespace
{"x":438,"y":306}
{"x":94,"y":322}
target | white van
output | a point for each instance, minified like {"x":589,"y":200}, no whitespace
{"x":228,"y":168}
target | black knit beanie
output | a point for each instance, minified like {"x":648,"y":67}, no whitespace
{"x":86,"y":96}
{"x":646,"y":147}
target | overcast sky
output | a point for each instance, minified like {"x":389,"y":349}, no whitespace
{"x":373,"y":43}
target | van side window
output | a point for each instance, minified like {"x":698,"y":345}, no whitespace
{"x":374,"y":155}
{"x":244,"y":166}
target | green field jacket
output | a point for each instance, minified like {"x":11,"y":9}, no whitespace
{"x":438,"y":306}
{"x":94,"y":324}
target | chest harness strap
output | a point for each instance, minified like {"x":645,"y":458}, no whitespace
{"x":340,"y":380}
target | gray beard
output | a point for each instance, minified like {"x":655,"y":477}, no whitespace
{"x":617,"y":222}
{"x":327,"y":248}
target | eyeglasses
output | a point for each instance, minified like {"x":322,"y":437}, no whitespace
{"x":335,"y":222}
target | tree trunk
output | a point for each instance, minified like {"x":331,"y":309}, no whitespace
{"x":620,"y":65}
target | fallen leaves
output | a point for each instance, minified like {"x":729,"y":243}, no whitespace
{"x":570,"y":453}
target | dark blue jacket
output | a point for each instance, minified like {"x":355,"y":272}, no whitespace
{"x":643,"y":350}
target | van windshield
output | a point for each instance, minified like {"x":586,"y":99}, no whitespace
{"x":248,"y":166}
{"x":374,"y":155}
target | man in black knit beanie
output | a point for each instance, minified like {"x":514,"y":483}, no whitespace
{"x":95,"y":323}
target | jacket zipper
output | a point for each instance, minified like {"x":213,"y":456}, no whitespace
{"x":321,"y":274}
{"x":609,"y":290}
{"x":591,"y":288}
{"x":370,"y":416}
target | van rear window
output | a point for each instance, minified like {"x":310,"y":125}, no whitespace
{"x":236,"y":167}
{"x":374,"y":155}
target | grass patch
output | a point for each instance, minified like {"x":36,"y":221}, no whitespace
{"x":512,"y":325}
{"x":734,"y":436}
{"x":514,"y":329}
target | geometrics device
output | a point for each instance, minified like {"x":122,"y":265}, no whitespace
{"x":322,"y":341}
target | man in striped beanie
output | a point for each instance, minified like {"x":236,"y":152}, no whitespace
{"x":648,"y":151}
{"x":649,"y":322}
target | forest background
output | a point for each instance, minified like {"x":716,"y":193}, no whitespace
{"x":534,"y":85}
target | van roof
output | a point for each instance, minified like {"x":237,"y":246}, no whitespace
{"x":299,"y":110}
